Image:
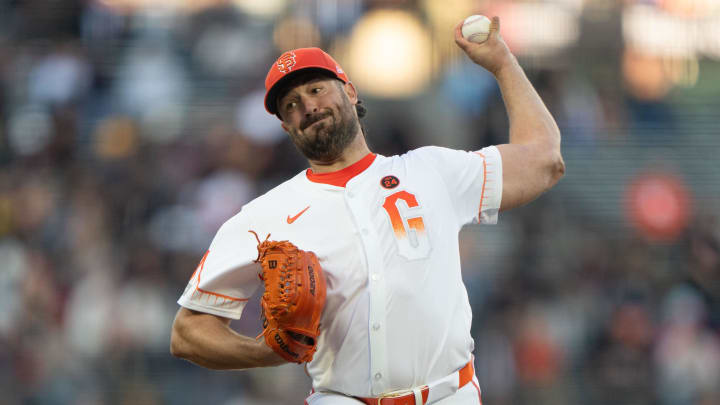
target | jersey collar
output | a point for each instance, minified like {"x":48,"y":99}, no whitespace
{"x":341,"y":177}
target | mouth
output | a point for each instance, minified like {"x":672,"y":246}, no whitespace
{"x":312,"y":123}
{"x":317,"y":122}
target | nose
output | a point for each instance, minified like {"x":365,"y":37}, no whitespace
{"x":311,"y":108}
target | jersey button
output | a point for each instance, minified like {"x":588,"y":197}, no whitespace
{"x":378,"y":376}
{"x":365,"y":231}
{"x":351,"y":194}
{"x":375,"y":277}
{"x":376,"y":326}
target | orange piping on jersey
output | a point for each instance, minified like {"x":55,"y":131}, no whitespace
{"x":478,"y":390}
{"x":199,"y":270}
{"x":482,"y":193}
{"x":227,"y":297}
{"x":202,"y":261}
{"x":341,"y":177}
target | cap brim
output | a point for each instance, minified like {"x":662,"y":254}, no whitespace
{"x":271,"y":95}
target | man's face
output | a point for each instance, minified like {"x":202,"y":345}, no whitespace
{"x":319,"y":114}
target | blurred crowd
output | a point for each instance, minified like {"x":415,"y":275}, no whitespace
{"x":128,"y":137}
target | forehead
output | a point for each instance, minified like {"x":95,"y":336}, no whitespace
{"x":300,"y":79}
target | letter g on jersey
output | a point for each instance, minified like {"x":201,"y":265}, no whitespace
{"x":404,"y":213}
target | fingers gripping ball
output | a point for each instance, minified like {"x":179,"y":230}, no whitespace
{"x":293,"y":300}
{"x":476,"y":28}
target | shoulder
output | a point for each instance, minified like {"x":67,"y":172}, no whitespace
{"x":433,"y":155}
{"x":427,"y":157}
{"x":420,"y":153}
{"x":268,"y":204}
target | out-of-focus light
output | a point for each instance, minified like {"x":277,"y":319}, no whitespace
{"x":682,"y":72}
{"x":29,"y":130}
{"x":294,"y":32}
{"x":658,"y":32}
{"x":163,"y":123}
{"x":255,"y":123}
{"x":652,"y":31}
{"x":442,"y":16}
{"x":691,"y":8}
{"x":650,"y":77}
{"x":445,"y":14}
{"x":658,"y":204}
{"x":575,"y":5}
{"x":389,"y":54}
{"x":129,"y":6}
{"x":262,"y":8}
{"x":229,"y":51}
{"x":645,"y":75}
{"x":538,"y":29}
{"x":115,"y":138}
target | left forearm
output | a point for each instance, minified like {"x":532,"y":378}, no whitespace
{"x":530,"y":120}
{"x":531,"y":160}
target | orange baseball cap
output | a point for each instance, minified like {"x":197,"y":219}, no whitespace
{"x":294,"y":61}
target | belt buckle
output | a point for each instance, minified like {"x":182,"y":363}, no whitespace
{"x":393,"y":394}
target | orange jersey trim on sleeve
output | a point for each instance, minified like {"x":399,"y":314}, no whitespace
{"x":199,"y":270}
{"x":482,"y":193}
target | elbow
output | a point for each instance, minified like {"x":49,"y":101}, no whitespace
{"x":179,"y":347}
{"x":176,"y":346}
{"x":556,"y":169}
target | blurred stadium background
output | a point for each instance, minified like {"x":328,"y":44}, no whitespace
{"x":131,"y":129}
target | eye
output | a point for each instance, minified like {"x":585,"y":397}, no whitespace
{"x":316,"y":90}
{"x":290,"y":106}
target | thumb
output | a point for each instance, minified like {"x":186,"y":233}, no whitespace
{"x":495,"y":26}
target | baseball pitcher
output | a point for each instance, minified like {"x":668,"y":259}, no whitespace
{"x":358,"y":255}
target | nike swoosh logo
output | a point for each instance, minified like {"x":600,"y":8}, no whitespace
{"x":290,"y":220}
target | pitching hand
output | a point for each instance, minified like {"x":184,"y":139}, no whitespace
{"x":491,"y":54}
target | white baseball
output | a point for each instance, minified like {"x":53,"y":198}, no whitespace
{"x":476,"y":28}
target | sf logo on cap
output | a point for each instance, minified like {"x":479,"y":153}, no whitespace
{"x":286,"y":62}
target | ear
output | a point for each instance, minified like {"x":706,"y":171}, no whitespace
{"x":351,"y":92}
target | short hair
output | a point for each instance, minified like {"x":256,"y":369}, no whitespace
{"x":361,"y":109}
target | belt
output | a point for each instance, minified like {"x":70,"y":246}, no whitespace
{"x":419,"y":395}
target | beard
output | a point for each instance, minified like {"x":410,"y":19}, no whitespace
{"x":332,"y":136}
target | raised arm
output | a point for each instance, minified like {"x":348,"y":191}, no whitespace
{"x":532,"y":162}
{"x":207,"y":340}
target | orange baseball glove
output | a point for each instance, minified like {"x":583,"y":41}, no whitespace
{"x":293,"y":300}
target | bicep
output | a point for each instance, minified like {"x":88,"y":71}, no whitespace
{"x":190,"y":325}
{"x":188,"y":317}
{"x":526,"y":173}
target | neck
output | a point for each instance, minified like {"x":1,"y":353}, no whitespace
{"x":357,"y":150}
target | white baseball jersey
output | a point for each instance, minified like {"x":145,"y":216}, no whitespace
{"x":385,"y":231}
